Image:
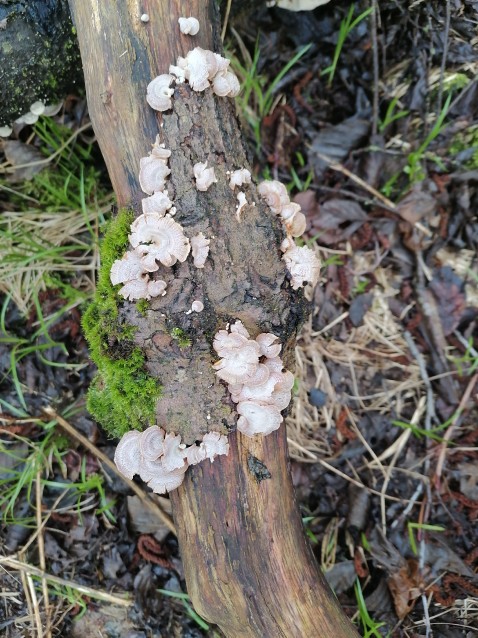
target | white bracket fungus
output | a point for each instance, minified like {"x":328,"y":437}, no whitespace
{"x":160,"y":459}
{"x":200,"y":249}
{"x":158,"y":93}
{"x":153,"y":170}
{"x":239,"y":177}
{"x":204,"y":176}
{"x":241,"y":198}
{"x":159,"y":203}
{"x":197,"y":306}
{"x":129,"y":270}
{"x":158,"y":238}
{"x":255,"y":377}
{"x":189,"y":26}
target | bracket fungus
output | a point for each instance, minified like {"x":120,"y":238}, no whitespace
{"x":158,"y":238}
{"x":303,"y":265}
{"x":255,"y":377}
{"x":129,"y":270}
{"x":200,"y":249}
{"x":160,"y":459}
{"x":153,"y":170}
{"x":239,"y":177}
{"x":159,"y":93}
{"x":189,"y":26}
{"x":204,"y":176}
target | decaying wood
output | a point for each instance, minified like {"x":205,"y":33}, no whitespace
{"x":248,"y":566}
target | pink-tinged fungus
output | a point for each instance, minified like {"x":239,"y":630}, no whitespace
{"x":197,"y":306}
{"x":257,"y":418}
{"x":174,"y":454}
{"x":158,"y":238}
{"x":266,"y":343}
{"x":215,"y":444}
{"x":303,"y":265}
{"x":166,"y":481}
{"x":204,"y":176}
{"x":195,"y":454}
{"x":159,"y":93}
{"x":129,"y":270}
{"x":226,"y":84}
{"x":153,"y":172}
{"x":127,"y":455}
{"x":275,"y":194}
{"x":241,"y":198}
{"x":151,"y":443}
{"x":200,"y":249}
{"x":296,"y":225}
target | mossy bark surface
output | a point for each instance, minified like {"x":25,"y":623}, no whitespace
{"x":247,"y":564}
{"x":39,"y":55}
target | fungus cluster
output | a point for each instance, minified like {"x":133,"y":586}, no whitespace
{"x":302,"y":262}
{"x":255,"y":376}
{"x":160,"y":459}
{"x":252,"y":368}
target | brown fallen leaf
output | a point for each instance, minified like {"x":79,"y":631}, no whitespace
{"x":406,"y":586}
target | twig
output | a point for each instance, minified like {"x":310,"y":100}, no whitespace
{"x":444,"y":54}
{"x":41,"y":552}
{"x":30,"y":570}
{"x":373,"y":19}
{"x":226,"y":19}
{"x":145,"y":498}
{"x":417,"y":355}
{"x":448,"y":434}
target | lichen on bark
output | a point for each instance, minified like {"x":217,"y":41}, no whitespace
{"x":123,"y":395}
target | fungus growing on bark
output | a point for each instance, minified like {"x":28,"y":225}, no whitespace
{"x":241,"y":198}
{"x":158,"y":238}
{"x":189,"y":26}
{"x":255,"y":377}
{"x":129,"y":270}
{"x":201,"y":67}
{"x":153,"y":169}
{"x":158,"y":93}
{"x":303,"y":265}
{"x":200,"y":249}
{"x":275,"y":194}
{"x":160,"y":459}
{"x":159,"y":203}
{"x":226,"y":84}
{"x":239,"y":177}
{"x":204,"y":176}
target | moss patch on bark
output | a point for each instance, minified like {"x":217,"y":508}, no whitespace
{"x":123,"y":395}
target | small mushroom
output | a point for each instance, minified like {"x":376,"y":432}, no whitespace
{"x":267,"y":346}
{"x":167,"y":480}
{"x":215,"y":444}
{"x":200,"y":249}
{"x":241,"y":198}
{"x":303,"y":265}
{"x":173,"y":456}
{"x":275,"y":194}
{"x":158,"y":93}
{"x":151,"y":443}
{"x":197,"y":306}
{"x":159,"y":203}
{"x":239,"y":177}
{"x":257,"y":418}
{"x":189,"y":26}
{"x":226,"y":84}
{"x":153,"y":172}
{"x":129,"y":270}
{"x":297,"y":225}
{"x":204,"y":176}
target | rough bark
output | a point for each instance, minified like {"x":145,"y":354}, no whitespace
{"x":248,"y":566}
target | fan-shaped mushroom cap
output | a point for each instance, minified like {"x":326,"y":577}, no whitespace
{"x":275,"y":194}
{"x":266,"y":343}
{"x":296,"y":225}
{"x":130,"y":271}
{"x":189,"y":26}
{"x":226,"y":84}
{"x":275,"y":364}
{"x":239,"y":177}
{"x":241,"y":198}
{"x":167,"y":480}
{"x":238,"y":328}
{"x":215,"y":63}
{"x":215,"y":444}
{"x":158,"y":93}
{"x":260,"y":392}
{"x":204,"y":176}
{"x":289,"y":210}
{"x":240,"y":364}
{"x":200,"y":249}
{"x":197,"y":72}
{"x":195,"y":454}
{"x":173,"y":456}
{"x":127,"y":454}
{"x":158,"y":203}
{"x":152,"y":174}
{"x":257,"y":418}
{"x":158,"y":238}
{"x":151,"y":443}
{"x":303,"y":266}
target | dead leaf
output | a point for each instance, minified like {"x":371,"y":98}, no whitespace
{"x":144,"y":521}
{"x":405,"y":587}
{"x":417,"y":204}
{"x":336,"y":142}
{"x":18,"y":154}
{"x":359,"y":307}
{"x":337,"y":219}
{"x":448,"y":290}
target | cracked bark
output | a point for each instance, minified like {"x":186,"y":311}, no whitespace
{"x":248,"y":566}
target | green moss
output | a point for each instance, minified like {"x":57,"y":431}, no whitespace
{"x":181,"y":337}
{"x":142,"y":306}
{"x":122,"y":396}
